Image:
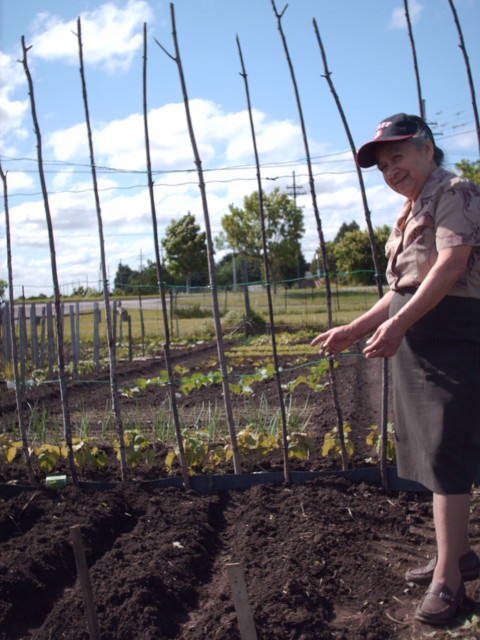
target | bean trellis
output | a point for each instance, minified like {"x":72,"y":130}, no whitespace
{"x":50,"y":331}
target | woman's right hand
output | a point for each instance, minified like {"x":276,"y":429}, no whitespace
{"x":333,"y":341}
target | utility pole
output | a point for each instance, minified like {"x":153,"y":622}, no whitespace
{"x":292,"y":188}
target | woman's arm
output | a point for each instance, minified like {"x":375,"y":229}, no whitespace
{"x":449,"y":266}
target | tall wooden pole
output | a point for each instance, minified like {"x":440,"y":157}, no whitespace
{"x":106,"y":293}
{"x":161,"y":283}
{"x":286,"y":471}
{"x":376,"y":262}
{"x":323,"y":246}
{"x":469,"y":72}
{"x":421,"y":104}
{"x":19,"y":387}
{"x":56,"y":288}
{"x":210,"y":253}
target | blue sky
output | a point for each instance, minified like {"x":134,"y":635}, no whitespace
{"x":368,"y":53}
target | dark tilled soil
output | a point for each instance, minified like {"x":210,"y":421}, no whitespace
{"x":322,"y":560}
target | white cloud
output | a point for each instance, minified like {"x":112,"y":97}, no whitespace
{"x":226,"y":151}
{"x":398,"y":19}
{"x":69,"y":144}
{"x":11,"y":111}
{"x":111,"y":36}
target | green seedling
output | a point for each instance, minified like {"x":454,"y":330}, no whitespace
{"x":331,"y":441}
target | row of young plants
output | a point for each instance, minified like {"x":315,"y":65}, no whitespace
{"x":204,"y":437}
{"x":202,"y":455}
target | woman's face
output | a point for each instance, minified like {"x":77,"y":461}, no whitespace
{"x":406,"y":166}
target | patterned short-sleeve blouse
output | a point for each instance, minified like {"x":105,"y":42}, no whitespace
{"x":446,"y":214}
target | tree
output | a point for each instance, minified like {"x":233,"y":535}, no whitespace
{"x":224,"y":270}
{"x":122,"y":277}
{"x":3,"y":288}
{"x":283,"y":229}
{"x":127,"y":281}
{"x":469,"y":170}
{"x":317,"y":263}
{"x":186,"y":250}
{"x":353,"y":255}
{"x":146,"y":279}
{"x":345,"y":228}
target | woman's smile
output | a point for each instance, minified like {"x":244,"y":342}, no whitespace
{"x":406,"y":166}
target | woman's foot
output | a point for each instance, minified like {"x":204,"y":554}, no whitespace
{"x":469,"y":565}
{"x":440,"y":605}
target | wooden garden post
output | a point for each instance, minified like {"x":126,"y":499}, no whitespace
{"x":210,"y":254}
{"x":376,"y":262}
{"x":421,"y":103}
{"x":323,"y":248}
{"x":286,"y":470}
{"x":469,"y":72}
{"x":19,"y":389}
{"x":160,"y":282}
{"x":56,"y":288}
{"x":106,"y":292}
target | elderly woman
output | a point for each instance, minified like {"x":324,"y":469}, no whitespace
{"x":429,"y":322}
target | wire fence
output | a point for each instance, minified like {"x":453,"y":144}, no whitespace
{"x":139,"y":324}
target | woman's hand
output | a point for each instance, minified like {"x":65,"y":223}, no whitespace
{"x":334,"y":341}
{"x":386,"y":340}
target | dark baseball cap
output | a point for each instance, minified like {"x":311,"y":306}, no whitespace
{"x":401,"y":126}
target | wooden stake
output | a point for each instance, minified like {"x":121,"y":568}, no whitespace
{"x":283,"y":414}
{"x":87,"y":592}
{"x":241,"y":602}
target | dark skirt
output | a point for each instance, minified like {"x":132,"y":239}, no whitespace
{"x":436,"y":395}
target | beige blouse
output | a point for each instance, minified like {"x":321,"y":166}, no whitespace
{"x":445,"y":214}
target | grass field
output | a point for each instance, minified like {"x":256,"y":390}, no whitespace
{"x":191,"y":314}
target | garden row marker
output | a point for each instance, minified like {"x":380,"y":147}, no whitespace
{"x":241,"y":602}
{"x":50,"y":340}
{"x":267,"y":278}
{"x":106,"y":293}
{"x":376,"y":262}
{"x":96,"y":336}
{"x":82,"y":570}
{"x":5,"y":313}
{"x":161,"y":284}
{"x":56,"y":289}
{"x":34,"y":337}
{"x":323,"y":247}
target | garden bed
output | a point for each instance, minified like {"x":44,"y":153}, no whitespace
{"x":324,"y":558}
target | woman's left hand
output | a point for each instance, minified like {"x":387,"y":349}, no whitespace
{"x":386,"y":340}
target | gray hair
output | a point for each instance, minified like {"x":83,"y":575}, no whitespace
{"x":419,"y":140}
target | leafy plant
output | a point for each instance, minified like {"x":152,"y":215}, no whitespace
{"x":8,"y":449}
{"x":331,"y":441}
{"x":300,"y":445}
{"x":47,"y":456}
{"x":85,"y":451}
{"x":195,"y":444}
{"x":249,"y":440}
{"x":137,"y":448}
{"x":374,"y":439}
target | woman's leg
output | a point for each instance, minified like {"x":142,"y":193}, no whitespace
{"x":450,"y":514}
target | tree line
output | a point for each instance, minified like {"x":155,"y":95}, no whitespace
{"x":185,"y":250}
